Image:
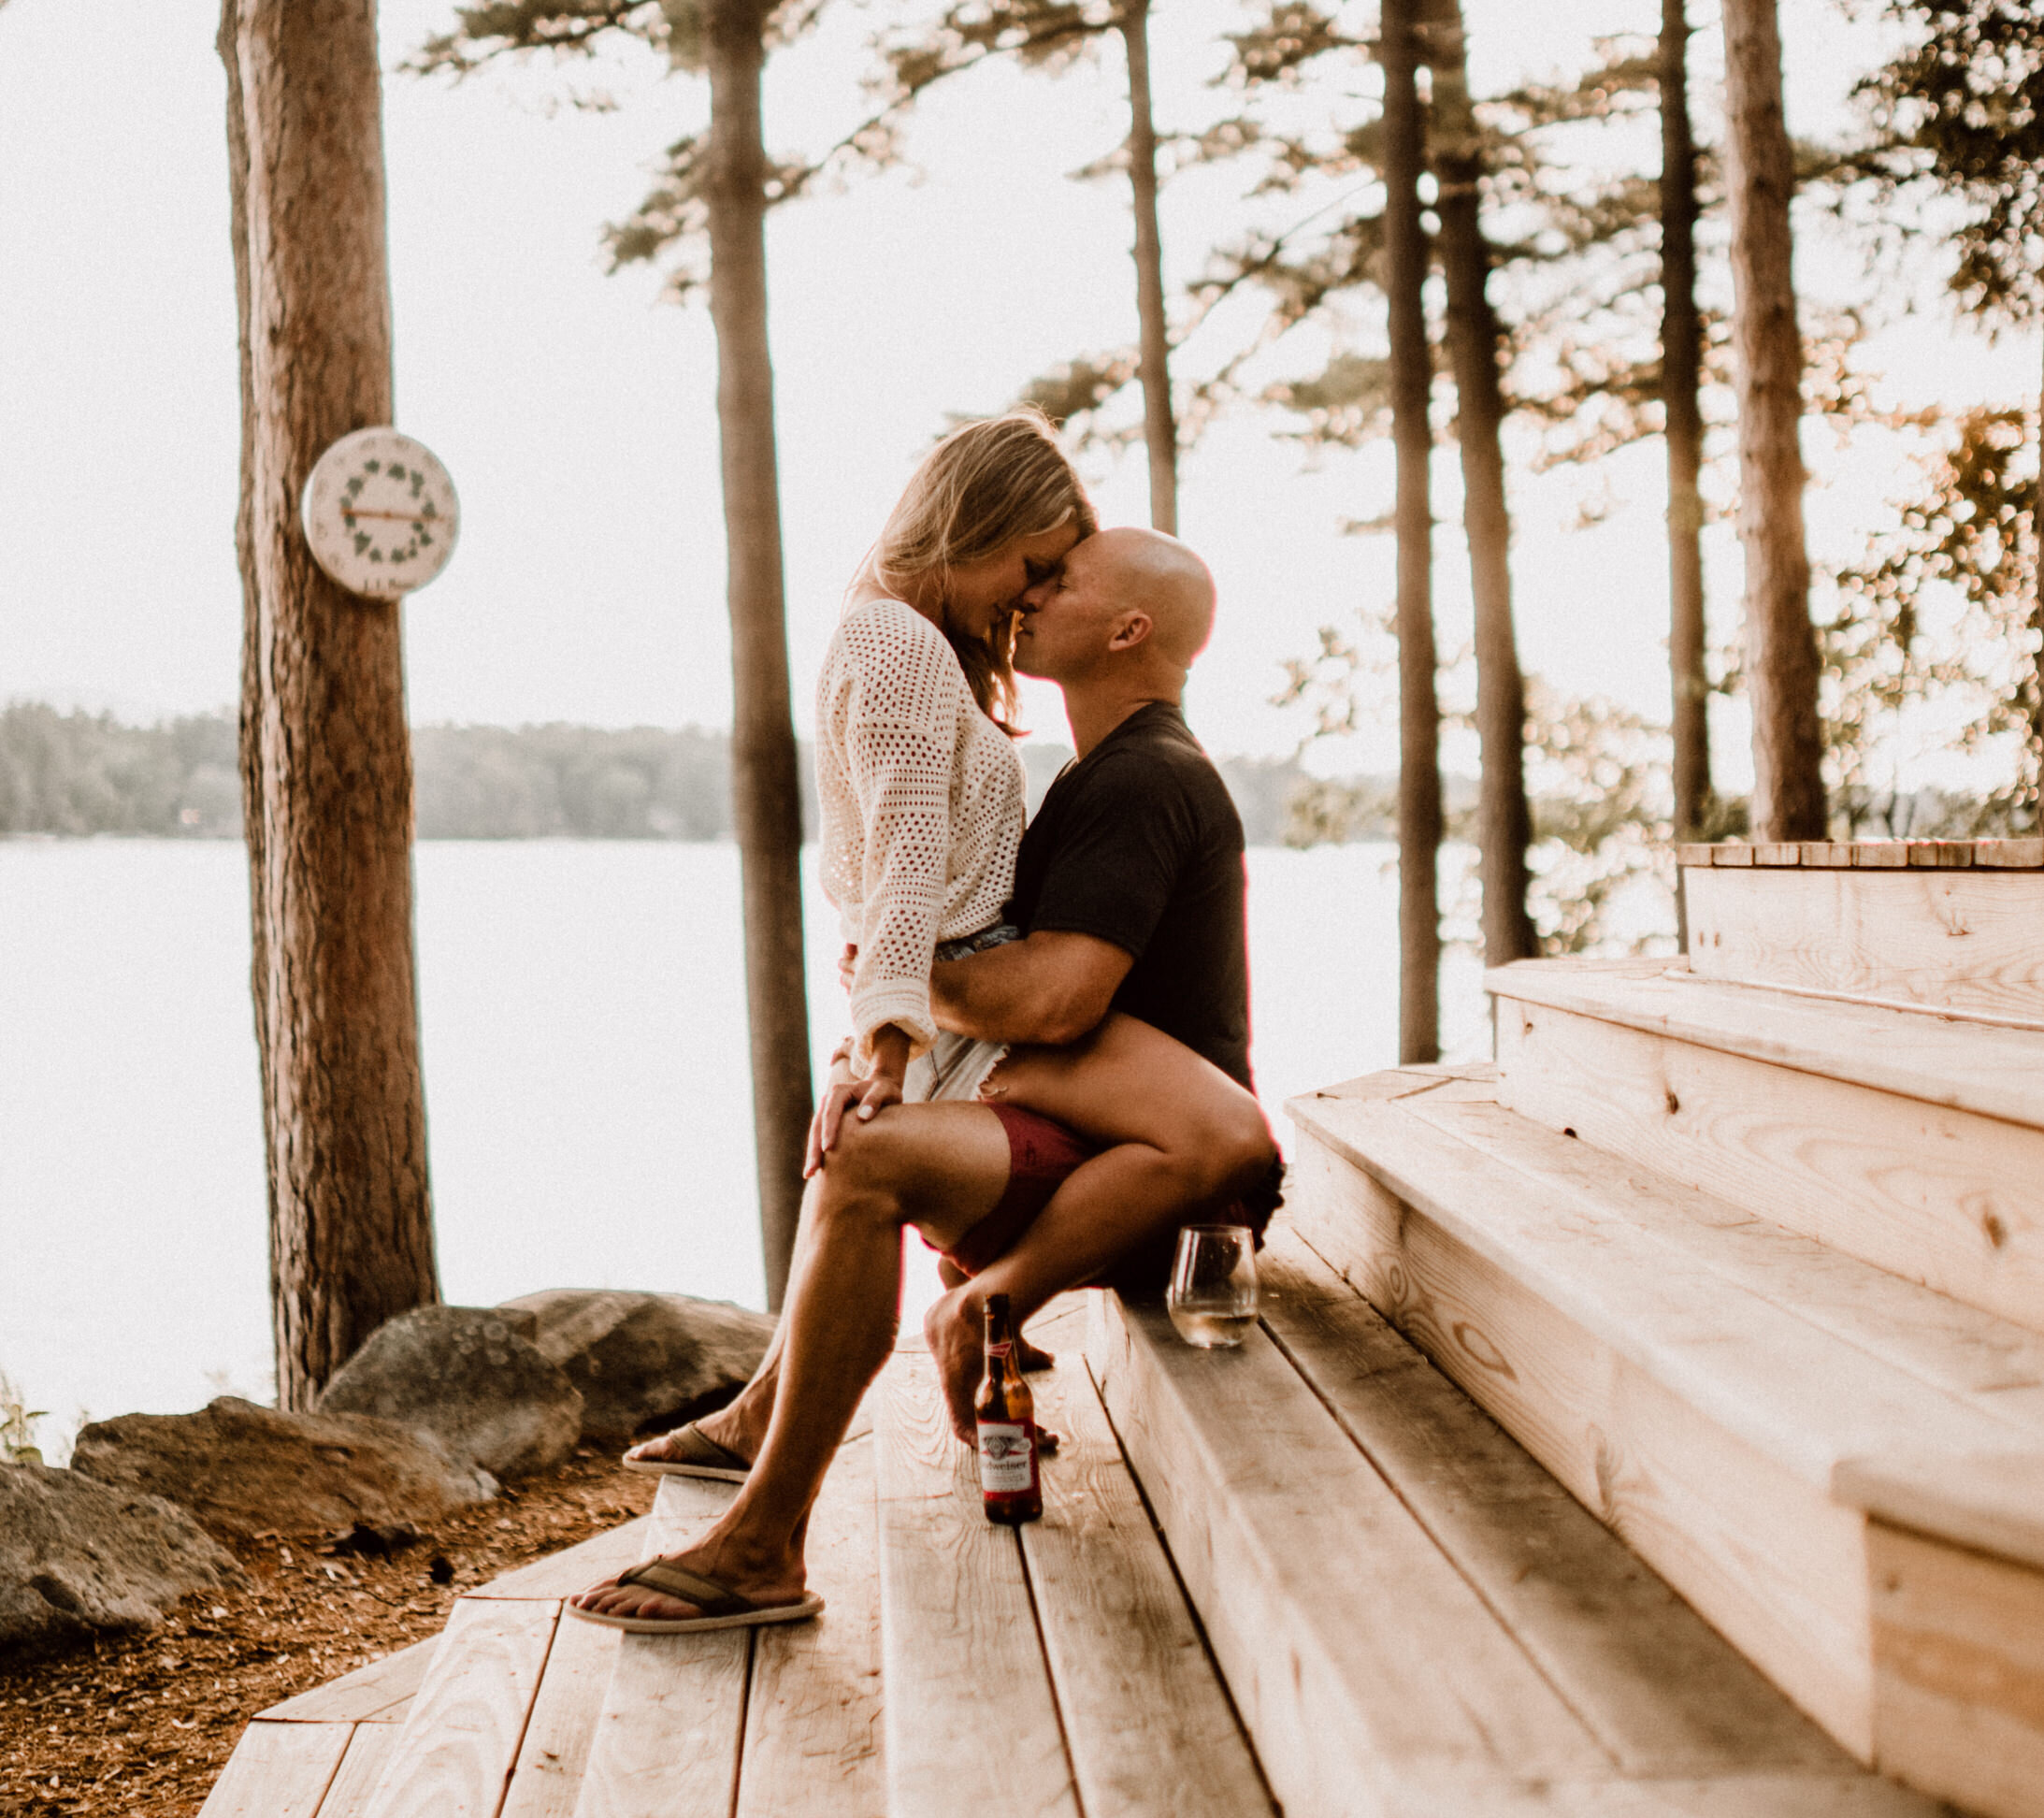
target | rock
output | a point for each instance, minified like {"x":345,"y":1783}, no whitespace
{"x":645,"y":1361}
{"x":465,"y":1376}
{"x":245,"y":1470}
{"x":80,"y":1558}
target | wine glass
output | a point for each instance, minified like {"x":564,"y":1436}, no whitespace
{"x":1213,"y":1285}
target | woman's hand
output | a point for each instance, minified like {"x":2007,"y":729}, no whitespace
{"x":847,"y":966}
{"x":864,"y":1099}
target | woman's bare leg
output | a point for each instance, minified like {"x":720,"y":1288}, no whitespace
{"x":1182,"y":1135}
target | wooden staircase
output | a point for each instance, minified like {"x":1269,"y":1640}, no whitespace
{"x":1648,"y":1424}
{"x":1754,"y":1266}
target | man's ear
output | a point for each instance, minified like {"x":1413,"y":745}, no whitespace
{"x":1133,"y":629}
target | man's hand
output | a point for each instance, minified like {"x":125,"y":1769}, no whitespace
{"x":1049,"y":989}
{"x":864,"y":1099}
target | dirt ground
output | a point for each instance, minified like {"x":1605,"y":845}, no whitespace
{"x":144,"y":1724}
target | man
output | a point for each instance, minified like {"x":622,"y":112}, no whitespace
{"x":1129,"y":889}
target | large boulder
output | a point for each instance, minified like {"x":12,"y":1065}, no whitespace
{"x":245,"y":1470}
{"x":645,"y":1361}
{"x":465,"y":1376}
{"x":79,"y":1559}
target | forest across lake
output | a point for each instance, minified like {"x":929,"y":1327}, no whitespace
{"x":76,"y":774}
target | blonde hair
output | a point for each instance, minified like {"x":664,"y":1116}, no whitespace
{"x":983,"y":487}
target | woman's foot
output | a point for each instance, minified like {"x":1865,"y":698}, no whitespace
{"x":955,"y":1330}
{"x":727,"y":1429}
{"x":766,"y":1586}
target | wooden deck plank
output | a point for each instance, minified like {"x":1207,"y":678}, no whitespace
{"x":573,"y":1568}
{"x":1149,"y":1727}
{"x":812,"y":1717}
{"x":1961,"y":941}
{"x":972,"y":1723}
{"x":455,"y":1748}
{"x":1666,"y":1694}
{"x":547,"y":1779}
{"x":1993,"y":1363}
{"x":361,"y":1696}
{"x":368,"y":1753}
{"x":1748,"y":1533}
{"x":1942,"y":1196}
{"x":1959,"y":1672}
{"x":1969,"y":1066}
{"x":279,"y":1770}
{"x":1313,"y":1582}
{"x":667,"y":1740}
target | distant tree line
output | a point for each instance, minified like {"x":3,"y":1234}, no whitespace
{"x":81,"y":773}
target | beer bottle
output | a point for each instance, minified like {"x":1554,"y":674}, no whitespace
{"x":1006,"y":1413}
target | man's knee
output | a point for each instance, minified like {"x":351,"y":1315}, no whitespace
{"x":865,"y":1174}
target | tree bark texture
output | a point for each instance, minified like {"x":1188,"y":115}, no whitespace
{"x":1412,"y":385}
{"x":324,"y":750}
{"x":766,"y":799}
{"x":1682,"y":380}
{"x":1781,"y":645}
{"x":1505,"y":824}
{"x":1159,"y":428}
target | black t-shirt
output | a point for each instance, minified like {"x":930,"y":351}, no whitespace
{"x":1138,"y":842}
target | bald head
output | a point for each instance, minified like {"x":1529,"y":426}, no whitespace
{"x":1158,"y":576}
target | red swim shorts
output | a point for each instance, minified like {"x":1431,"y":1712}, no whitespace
{"x":1041,"y":1156}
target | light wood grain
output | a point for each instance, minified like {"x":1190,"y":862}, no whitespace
{"x":1959,"y":1672}
{"x":368,"y":1751}
{"x":1942,"y":1060}
{"x":547,"y":1779}
{"x":2011,"y":855}
{"x":1148,"y":1724}
{"x":573,"y":1568}
{"x":972,"y":1723}
{"x":1954,"y":940}
{"x":1525,"y":1322}
{"x":666,"y":1743}
{"x":360,"y":1696}
{"x":1944,"y":1197}
{"x":1313,"y":1582}
{"x":1990,"y":1502}
{"x":1667,"y":1695}
{"x":279,"y":1770}
{"x":813,"y":1720}
{"x":455,"y":1748}
{"x":1879,"y":854}
{"x":1994,"y":1364}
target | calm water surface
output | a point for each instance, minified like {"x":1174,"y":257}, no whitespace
{"x":586,"y":1083}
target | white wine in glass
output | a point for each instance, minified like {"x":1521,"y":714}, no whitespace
{"x":1212,"y":1286}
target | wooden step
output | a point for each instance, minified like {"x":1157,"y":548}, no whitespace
{"x":1414,"y":1617}
{"x":1946,"y":939}
{"x":1915,"y":1143}
{"x":1704,"y":1383}
{"x":1052,"y":1670}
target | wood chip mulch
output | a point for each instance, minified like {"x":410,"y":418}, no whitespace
{"x":143,"y":1724}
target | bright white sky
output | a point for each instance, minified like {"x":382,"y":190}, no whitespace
{"x":576,"y":411}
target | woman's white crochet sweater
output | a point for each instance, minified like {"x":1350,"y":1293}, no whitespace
{"x":922,"y":799}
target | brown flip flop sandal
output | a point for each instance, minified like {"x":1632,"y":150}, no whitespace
{"x":705,"y":1458}
{"x":721,"y":1607}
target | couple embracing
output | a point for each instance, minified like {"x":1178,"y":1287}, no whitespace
{"x":1048,"y":1073}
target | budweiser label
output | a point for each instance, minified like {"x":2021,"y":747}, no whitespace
{"x":1003,"y":1458}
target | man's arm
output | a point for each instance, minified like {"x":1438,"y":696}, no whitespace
{"x":1050,"y":988}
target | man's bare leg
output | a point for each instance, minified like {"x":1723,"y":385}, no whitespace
{"x":1185,"y":1136}
{"x":942,"y":1167}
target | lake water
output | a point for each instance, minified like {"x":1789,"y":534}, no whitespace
{"x":582,"y":1008}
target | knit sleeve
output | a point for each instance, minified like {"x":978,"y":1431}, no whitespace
{"x":902,"y":742}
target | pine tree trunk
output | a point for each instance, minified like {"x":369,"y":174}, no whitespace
{"x":1681,"y":369}
{"x":1160,"y":430}
{"x":766,"y":798}
{"x":1412,"y":385}
{"x":326,"y":755}
{"x":1781,"y":645}
{"x":2036,"y":625}
{"x":1505,"y":825}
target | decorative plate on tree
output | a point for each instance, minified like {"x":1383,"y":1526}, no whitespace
{"x":381,"y":514}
